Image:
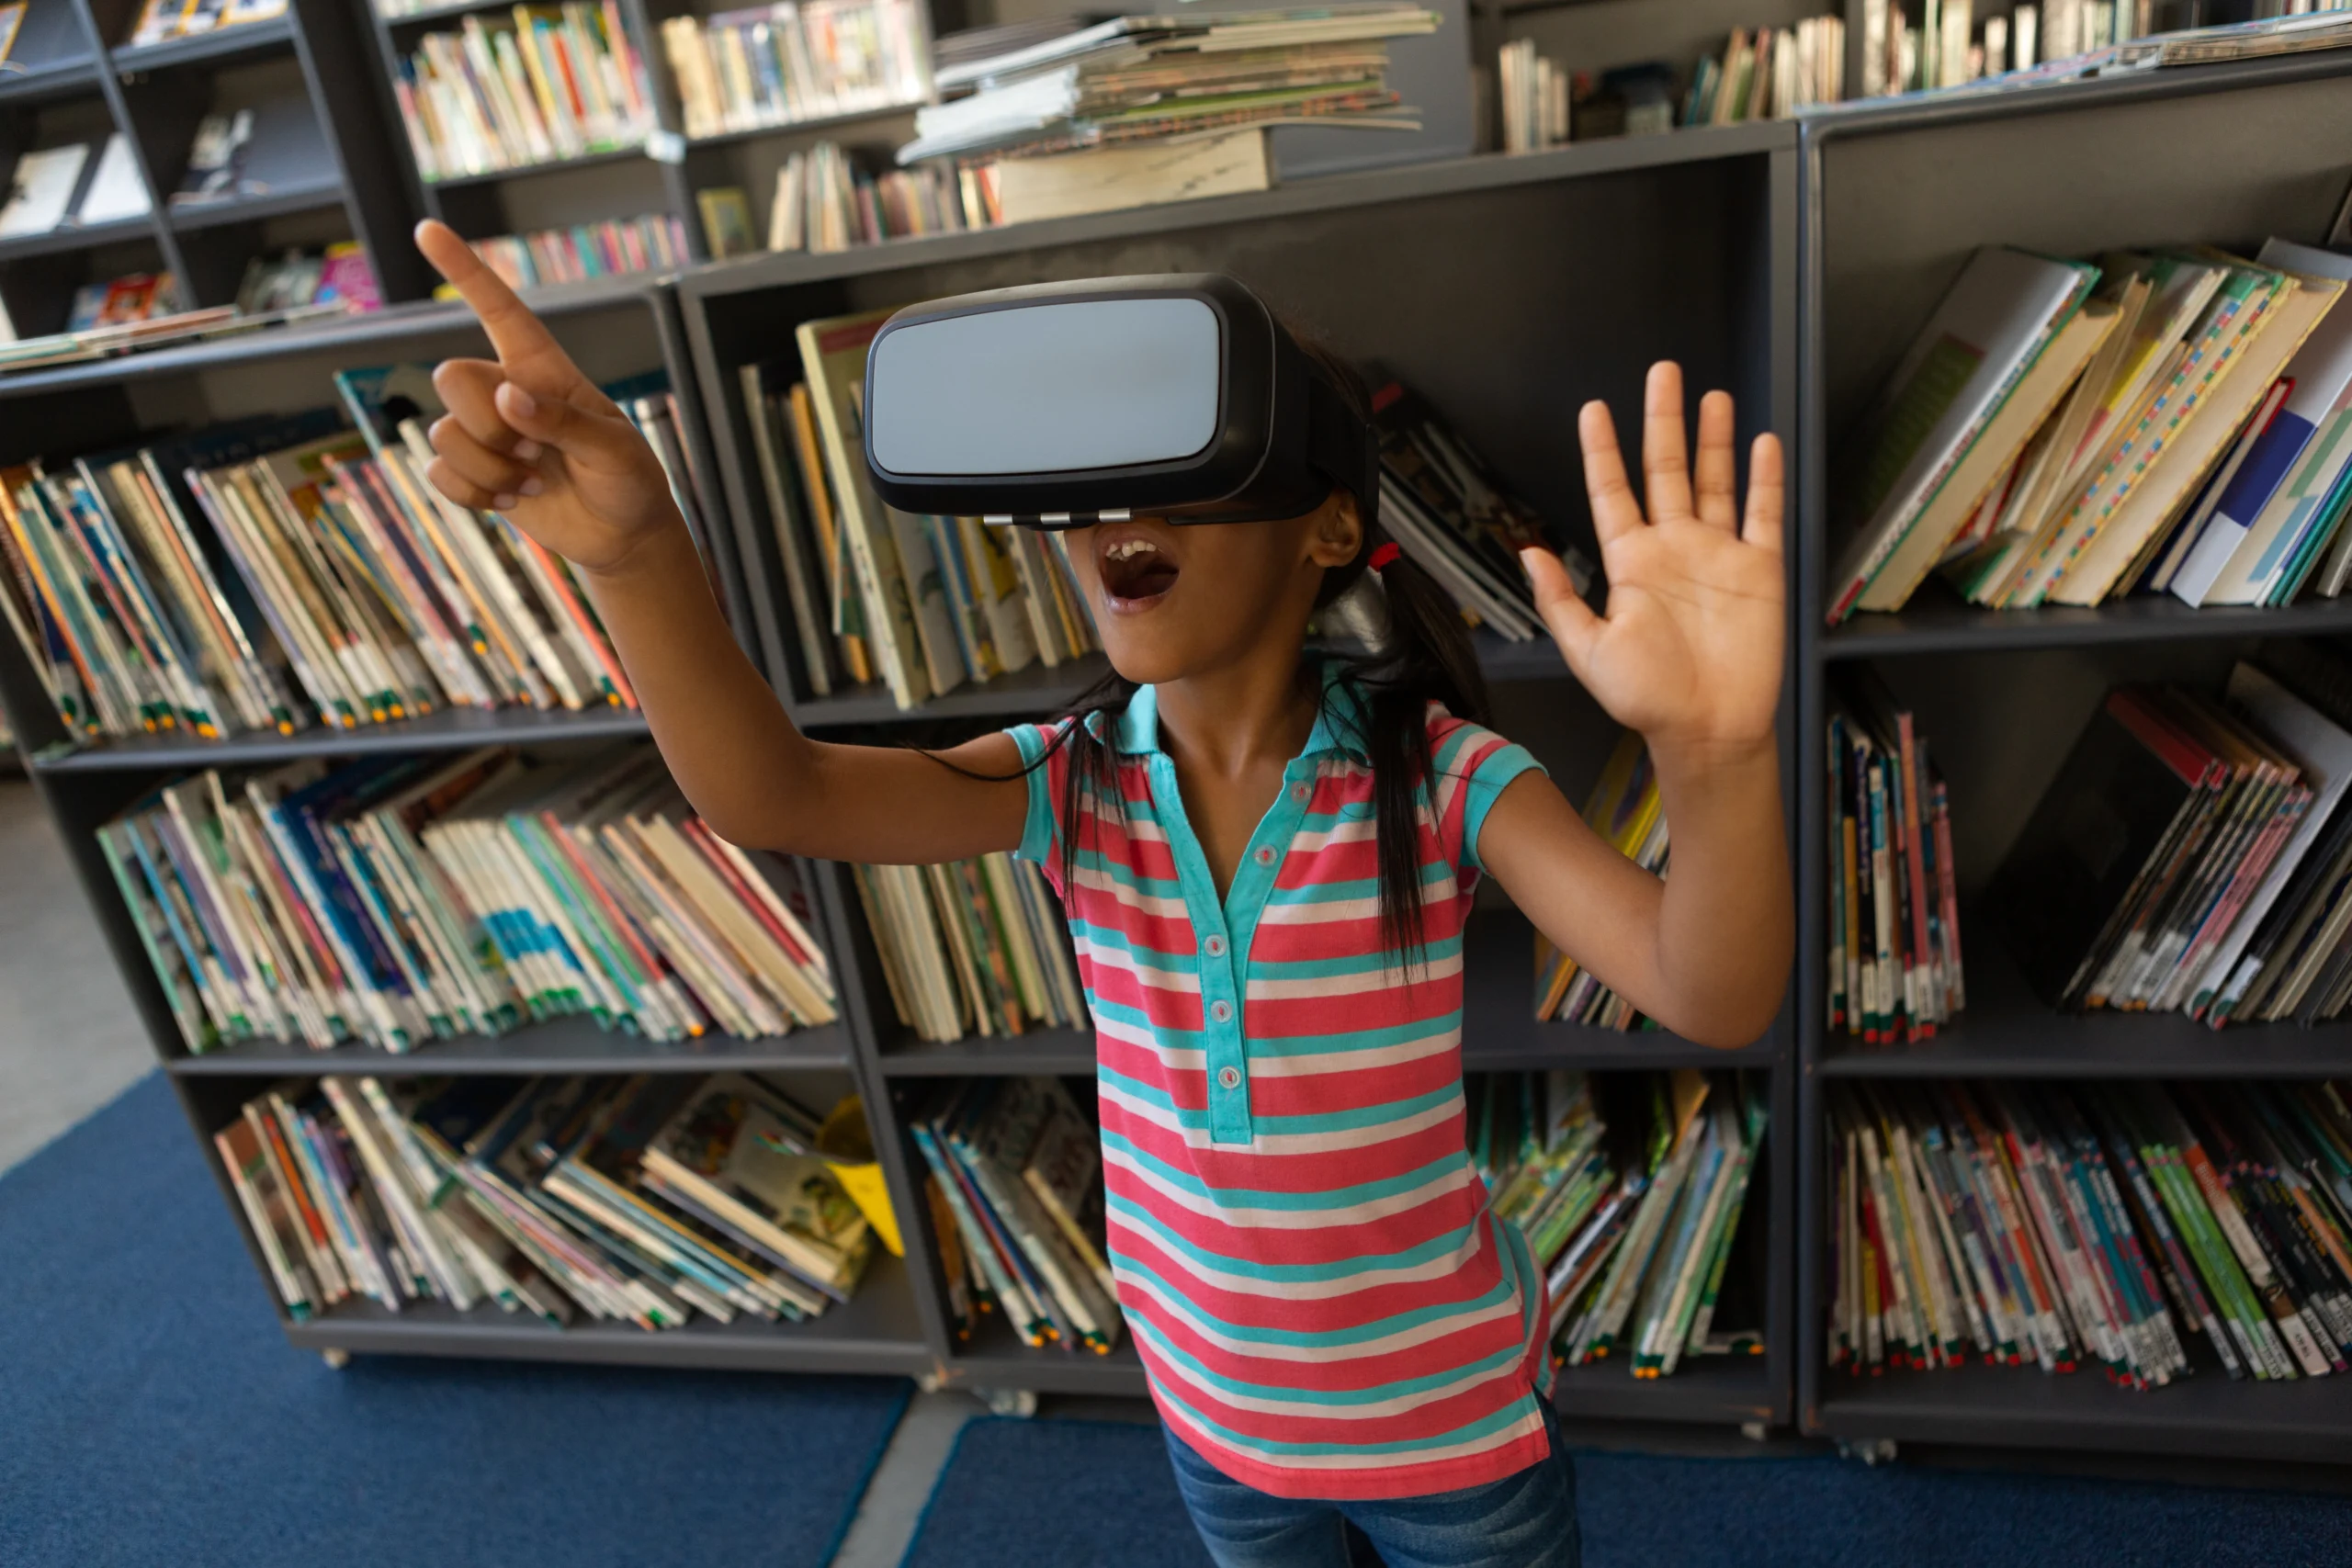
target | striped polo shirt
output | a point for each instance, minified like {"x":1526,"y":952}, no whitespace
{"x":1323,"y":1303}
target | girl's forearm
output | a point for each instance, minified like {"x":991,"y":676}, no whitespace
{"x":1724,"y":932}
{"x":725,"y":736}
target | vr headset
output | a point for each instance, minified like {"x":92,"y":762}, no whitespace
{"x":1057,"y":405}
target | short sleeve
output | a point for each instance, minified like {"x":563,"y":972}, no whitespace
{"x":1474,"y":765}
{"x":1046,"y":765}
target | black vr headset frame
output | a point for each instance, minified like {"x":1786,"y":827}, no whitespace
{"x":1283,"y":431}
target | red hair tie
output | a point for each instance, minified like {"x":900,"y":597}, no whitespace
{"x":1383,"y":555}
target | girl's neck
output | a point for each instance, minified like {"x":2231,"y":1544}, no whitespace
{"x":1227,"y":721}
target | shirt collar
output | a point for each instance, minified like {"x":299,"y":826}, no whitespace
{"x":1339,"y":722}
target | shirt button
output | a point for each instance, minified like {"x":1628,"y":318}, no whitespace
{"x":1266,"y":855}
{"x":1299,"y":792}
{"x":1222,"y":1011}
{"x":1216,"y":947}
{"x":1229,"y":1077}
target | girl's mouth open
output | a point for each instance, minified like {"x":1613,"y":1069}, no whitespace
{"x":1135,"y":571}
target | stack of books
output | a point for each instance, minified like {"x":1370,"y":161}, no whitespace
{"x":403,"y":901}
{"x":1016,"y":1190}
{"x":972,"y":947}
{"x":641,"y":1201}
{"x":923,"y":603}
{"x":825,"y":200}
{"x":160,"y":21}
{"x":297,"y":281}
{"x":612,"y":248}
{"x":548,"y":85}
{"x":2191,"y":854}
{"x":2109,"y":1223}
{"x":1893,"y":951}
{"x":789,"y":62}
{"x":1450,"y":512}
{"x":2068,"y":433}
{"x":1773,"y":72}
{"x":1624,"y":810}
{"x":1636,"y":1241}
{"x":1089,"y":120}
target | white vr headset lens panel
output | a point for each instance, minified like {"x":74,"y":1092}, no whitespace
{"x":1048,"y":388}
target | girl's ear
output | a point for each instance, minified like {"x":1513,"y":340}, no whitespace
{"x":1337,"y":532}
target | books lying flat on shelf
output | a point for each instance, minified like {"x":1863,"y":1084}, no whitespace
{"x":558,"y":1198}
{"x":609,"y":249}
{"x":400,"y":901}
{"x":1135,"y":173}
{"x":1894,"y":892}
{"x":785,"y":63}
{"x":931,"y":603}
{"x":1534,"y":93}
{"x":1636,"y":1239}
{"x":2082,"y":449}
{"x":2145,"y":1228}
{"x":1151,"y":76}
{"x":41,"y":190}
{"x":547,"y":84}
{"x":1624,"y":810}
{"x":824,"y":201}
{"x":1017,"y":1166}
{"x":1770,"y":73}
{"x":972,"y":947}
{"x":1448,"y":511}
{"x":160,"y":21}
{"x":134,"y":297}
{"x":216,"y":159}
{"x":2191,"y":854}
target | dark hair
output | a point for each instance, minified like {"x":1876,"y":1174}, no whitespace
{"x":1427,"y":658}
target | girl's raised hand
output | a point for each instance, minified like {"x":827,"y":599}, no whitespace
{"x":529,"y":436}
{"x":1688,"y":648}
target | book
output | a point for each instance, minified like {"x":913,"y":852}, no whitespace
{"x":1101,"y":179}
{"x":1624,"y":809}
{"x":1995,"y":320}
{"x":12,"y":18}
{"x":42,"y":187}
{"x":1784,"y":69}
{"x":825,"y":200}
{"x":1534,"y":93}
{"x":726,"y":221}
{"x":611,"y":247}
{"x":971,"y":948}
{"x":116,"y":191}
{"x":216,"y":159}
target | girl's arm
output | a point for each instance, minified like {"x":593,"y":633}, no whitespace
{"x":1689,"y":654}
{"x":531,"y":437}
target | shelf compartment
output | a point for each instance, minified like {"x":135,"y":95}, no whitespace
{"x":2309,"y":1419}
{"x":78,"y":237}
{"x":550,"y":166}
{"x":1938,"y":622}
{"x":560,"y":1045}
{"x":451,"y":729}
{"x":877,"y":1330}
{"x":220,"y":43}
{"x":2008,"y":1032}
{"x":309,"y":195}
{"x":1051,"y":1052}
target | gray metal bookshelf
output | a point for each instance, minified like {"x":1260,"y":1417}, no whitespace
{"x":1505,"y":290}
{"x":321,"y":140}
{"x":1896,"y":196}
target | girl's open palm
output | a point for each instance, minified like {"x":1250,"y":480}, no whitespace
{"x":529,"y":436}
{"x":1688,"y":648}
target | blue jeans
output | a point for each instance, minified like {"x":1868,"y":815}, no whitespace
{"x":1527,"y":1520}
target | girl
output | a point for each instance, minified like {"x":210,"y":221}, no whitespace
{"x":1267,"y":861}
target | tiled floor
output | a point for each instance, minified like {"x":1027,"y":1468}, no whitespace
{"x":69,"y":1040}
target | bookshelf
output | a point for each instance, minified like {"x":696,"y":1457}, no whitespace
{"x":1896,"y":196}
{"x":320,"y":139}
{"x":1693,"y":234}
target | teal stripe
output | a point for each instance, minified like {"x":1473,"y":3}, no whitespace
{"x":1303,"y":1339}
{"x":1295,"y":1202}
{"x":1136,"y":1218}
{"x":1112,"y":937}
{"x":1339,"y":1398}
{"x":1345,"y":965}
{"x":1407,"y":1449}
{"x":1365,"y":1117}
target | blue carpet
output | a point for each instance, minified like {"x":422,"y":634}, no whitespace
{"x":152,"y":1412}
{"x":1107,"y":1488}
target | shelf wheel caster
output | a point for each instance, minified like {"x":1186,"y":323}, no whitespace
{"x":1752,"y":1430}
{"x":1018,"y":1402}
{"x":336,"y":1359}
{"x":1870,"y":1451}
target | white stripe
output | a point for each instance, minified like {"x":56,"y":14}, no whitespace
{"x":1502,"y":1438}
{"x":1274,"y":1144}
{"x":1369,"y":982}
{"x":1134,"y":1291}
{"x":1270,"y":1404}
{"x":1106,"y":956}
{"x":1268,"y":1060}
{"x":1437,"y":1188}
{"x":1436,"y":1267}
